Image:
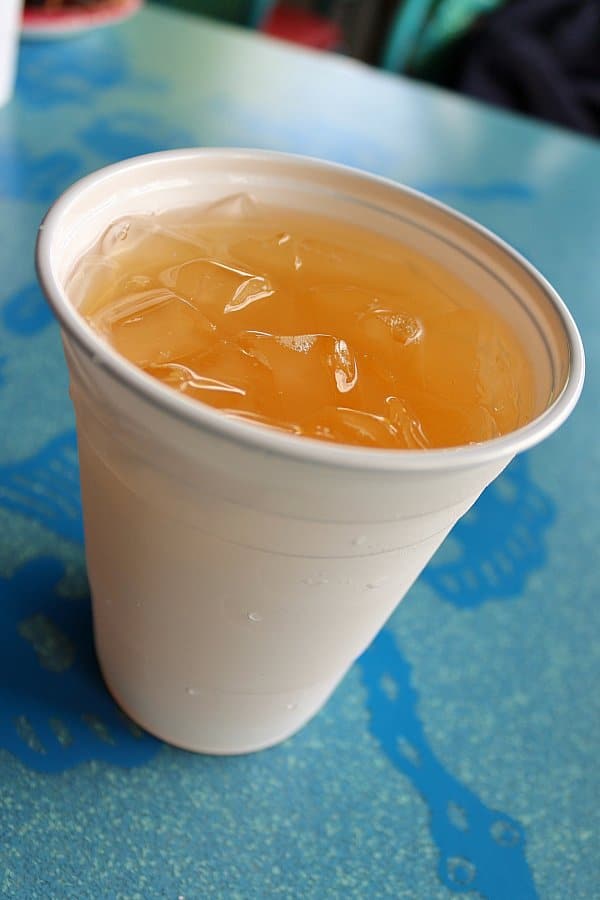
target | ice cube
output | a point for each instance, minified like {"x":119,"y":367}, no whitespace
{"x":249,"y":291}
{"x":234,"y":206}
{"x":185,"y":378}
{"x":270,"y":244}
{"x":344,"y":366}
{"x":358,"y":426}
{"x":227,"y":369}
{"x":156,"y":326}
{"x":92,"y":282}
{"x":381,"y":323}
{"x":260,"y":419}
{"x":323,"y":361}
{"x":116,"y":235}
{"x":212,"y":284}
{"x":299,"y":343}
{"x":143,"y":233}
{"x":482,"y":424}
{"x":407,"y":423}
{"x":502,"y":382}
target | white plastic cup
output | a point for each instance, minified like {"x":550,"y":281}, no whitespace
{"x":10,"y":28}
{"x":236,"y":571}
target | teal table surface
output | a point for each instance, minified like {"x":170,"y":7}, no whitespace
{"x":460,"y":753}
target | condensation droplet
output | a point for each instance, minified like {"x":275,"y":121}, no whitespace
{"x":315,"y":579}
{"x":376,"y":583}
{"x":291,"y":705}
{"x":192,"y":691}
{"x":359,"y":541}
{"x":254,"y":617}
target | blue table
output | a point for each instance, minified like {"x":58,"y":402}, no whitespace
{"x":460,"y":753}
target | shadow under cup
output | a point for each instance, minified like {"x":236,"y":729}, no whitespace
{"x":236,"y":571}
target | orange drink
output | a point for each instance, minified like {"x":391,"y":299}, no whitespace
{"x":307,"y":324}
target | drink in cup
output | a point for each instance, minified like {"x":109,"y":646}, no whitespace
{"x":304,"y":323}
{"x":290,"y":380}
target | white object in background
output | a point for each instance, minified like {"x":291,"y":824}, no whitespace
{"x":236,"y":571}
{"x":10,"y":30}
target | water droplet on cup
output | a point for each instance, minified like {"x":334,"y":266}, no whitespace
{"x":291,"y":705}
{"x":315,"y":579}
{"x":376,"y":583}
{"x":193,"y":692}
{"x":255,"y":617}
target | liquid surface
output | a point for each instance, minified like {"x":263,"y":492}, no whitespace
{"x":305,"y":324}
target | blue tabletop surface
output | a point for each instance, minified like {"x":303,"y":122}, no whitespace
{"x":459,"y":755}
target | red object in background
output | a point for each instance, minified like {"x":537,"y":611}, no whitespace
{"x":302,"y":27}
{"x":60,"y":18}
